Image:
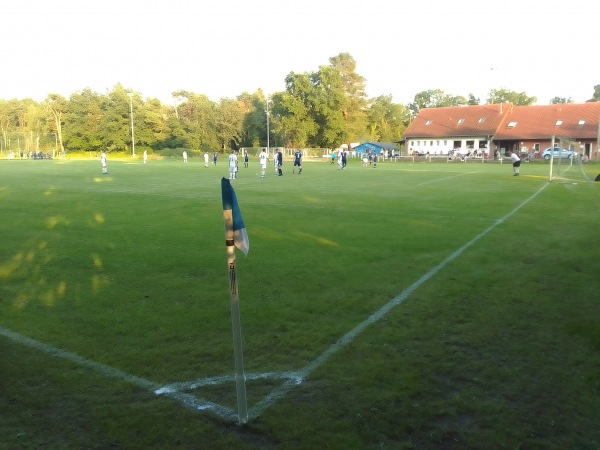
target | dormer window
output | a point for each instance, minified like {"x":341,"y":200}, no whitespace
{"x":482,"y":119}
{"x":558,"y":123}
{"x":511,"y":124}
{"x":461,"y":121}
{"x":581,"y":122}
{"x":429,"y":122}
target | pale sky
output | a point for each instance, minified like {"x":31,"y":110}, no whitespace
{"x":544,"y":48}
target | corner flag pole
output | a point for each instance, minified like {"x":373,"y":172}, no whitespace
{"x":233,"y":222}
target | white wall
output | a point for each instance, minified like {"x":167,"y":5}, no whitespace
{"x":442,"y":146}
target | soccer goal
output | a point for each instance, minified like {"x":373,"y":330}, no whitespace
{"x":566,"y":163}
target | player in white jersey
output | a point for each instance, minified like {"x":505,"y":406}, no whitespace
{"x":263,"y":158}
{"x":233,"y":162}
{"x":516,"y":162}
{"x":103,"y":162}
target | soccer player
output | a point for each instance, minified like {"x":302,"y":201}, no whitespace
{"x":279,"y":163}
{"x":245,"y":159}
{"x":233,"y":162}
{"x":263,"y":158}
{"x":103,"y":162}
{"x":516,"y":163}
{"x":297,"y":162}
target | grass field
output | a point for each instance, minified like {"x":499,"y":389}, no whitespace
{"x":415,"y":305}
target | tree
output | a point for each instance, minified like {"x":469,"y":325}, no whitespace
{"x":507,"y":96}
{"x":596,"y":96}
{"x":8,"y":121}
{"x":292,"y":111}
{"x":473,"y":100}
{"x":386,"y":120}
{"x":198,"y":118}
{"x":329,"y":108}
{"x":115,"y":125}
{"x":435,"y":98}
{"x":560,"y":100}
{"x":229,"y":122}
{"x":353,"y":86}
{"x":83,"y":120}
{"x":254,"y":128}
{"x":151,"y":127}
{"x":57,"y":105}
{"x":325,"y":108}
{"x":23,"y":124}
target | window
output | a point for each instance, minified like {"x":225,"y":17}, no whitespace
{"x":511,"y":124}
{"x":461,"y":121}
{"x":481,"y":119}
{"x":558,"y":123}
{"x":581,"y":122}
{"x":431,"y":143}
{"x":429,"y":122}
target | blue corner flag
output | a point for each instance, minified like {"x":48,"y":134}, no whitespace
{"x":233,"y":217}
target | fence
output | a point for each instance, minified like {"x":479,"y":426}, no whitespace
{"x":28,"y":144}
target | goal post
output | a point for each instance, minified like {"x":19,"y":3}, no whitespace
{"x":566,"y":163}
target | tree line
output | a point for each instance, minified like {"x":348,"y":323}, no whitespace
{"x":320,"y":109}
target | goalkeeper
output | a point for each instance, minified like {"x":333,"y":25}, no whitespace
{"x":516,"y":162}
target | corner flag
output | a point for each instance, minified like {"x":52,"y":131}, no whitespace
{"x":233,"y":217}
{"x":235,"y":236}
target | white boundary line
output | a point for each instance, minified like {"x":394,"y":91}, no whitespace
{"x":292,"y":379}
{"x":187,"y":399}
{"x":379,"y":314}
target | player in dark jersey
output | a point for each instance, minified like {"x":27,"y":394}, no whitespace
{"x":297,"y":162}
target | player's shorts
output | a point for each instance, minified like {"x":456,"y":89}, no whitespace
{"x":297,"y":163}
{"x":517,"y":164}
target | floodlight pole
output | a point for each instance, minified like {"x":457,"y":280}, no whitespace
{"x":268,"y":133}
{"x":130,"y":95}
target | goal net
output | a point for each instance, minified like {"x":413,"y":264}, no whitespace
{"x":566,"y":162}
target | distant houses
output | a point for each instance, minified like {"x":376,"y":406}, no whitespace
{"x":502,"y":127}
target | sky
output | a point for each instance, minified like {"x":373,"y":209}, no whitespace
{"x":221,"y":49}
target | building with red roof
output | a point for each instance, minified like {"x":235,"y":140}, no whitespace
{"x":503,"y":127}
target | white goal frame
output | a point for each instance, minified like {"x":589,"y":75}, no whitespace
{"x":566,"y":170}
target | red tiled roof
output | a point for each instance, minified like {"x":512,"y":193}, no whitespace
{"x":477,"y":120}
{"x":573,"y":120}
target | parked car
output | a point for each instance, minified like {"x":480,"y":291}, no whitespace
{"x":557,"y":153}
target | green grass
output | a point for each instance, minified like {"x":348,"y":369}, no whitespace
{"x":498,"y":349}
